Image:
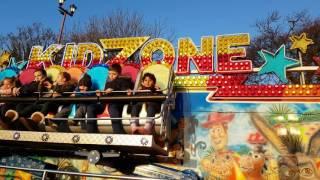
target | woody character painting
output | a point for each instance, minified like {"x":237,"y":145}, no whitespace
{"x":220,"y":163}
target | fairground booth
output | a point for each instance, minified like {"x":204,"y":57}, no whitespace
{"x":219,"y":117}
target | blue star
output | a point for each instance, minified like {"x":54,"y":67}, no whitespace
{"x":277,"y":63}
{"x":16,"y":66}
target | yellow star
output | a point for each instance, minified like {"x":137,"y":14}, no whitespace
{"x":300,"y":42}
{"x":4,"y":57}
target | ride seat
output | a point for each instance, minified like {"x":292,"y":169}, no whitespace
{"x":163,"y":76}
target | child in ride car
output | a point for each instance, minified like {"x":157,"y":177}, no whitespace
{"x":148,"y":83}
{"x":8,"y":85}
{"x":28,"y":90}
{"x":84,"y":85}
{"x":59,"y":88}
{"x":114,"y":83}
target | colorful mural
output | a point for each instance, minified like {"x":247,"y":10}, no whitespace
{"x":224,"y":140}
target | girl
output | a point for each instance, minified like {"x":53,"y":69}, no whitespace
{"x":7,"y":89}
{"x":7,"y":86}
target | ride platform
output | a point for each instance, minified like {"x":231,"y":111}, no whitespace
{"x":55,"y":141}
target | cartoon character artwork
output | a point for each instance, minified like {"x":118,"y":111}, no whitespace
{"x":294,"y":162}
{"x":251,"y":165}
{"x":218,"y":125}
{"x":220,"y":163}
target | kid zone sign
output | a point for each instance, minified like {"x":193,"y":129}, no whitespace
{"x":222,"y":71}
{"x":228,"y":49}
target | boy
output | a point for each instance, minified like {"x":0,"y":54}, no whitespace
{"x":114,"y":83}
{"x":148,"y":83}
{"x":84,"y":85}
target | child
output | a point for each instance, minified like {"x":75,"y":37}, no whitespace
{"x":37,"y":85}
{"x":62,"y":84}
{"x":7,"y":86}
{"x":6,"y":90}
{"x":148,"y":83}
{"x":114,"y":83}
{"x":84,"y":85}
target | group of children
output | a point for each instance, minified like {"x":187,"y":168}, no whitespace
{"x":31,"y":116}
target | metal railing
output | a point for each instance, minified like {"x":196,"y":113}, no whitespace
{"x":46,"y":171}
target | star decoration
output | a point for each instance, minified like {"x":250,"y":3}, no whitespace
{"x":17,"y":66}
{"x":277,"y":63}
{"x":4,"y":57}
{"x":316,"y":59}
{"x":12,"y":62}
{"x":300,"y":42}
{"x":22,"y":64}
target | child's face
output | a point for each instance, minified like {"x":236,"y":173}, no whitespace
{"x":38,"y":76}
{"x":60,"y":79}
{"x":83,"y":88}
{"x":113,"y":75}
{"x":148,"y":82}
{"x":7,"y":84}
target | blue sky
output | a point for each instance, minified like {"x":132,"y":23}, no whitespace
{"x":188,"y":18}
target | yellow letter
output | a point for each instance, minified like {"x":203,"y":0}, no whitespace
{"x":128,"y":46}
{"x":203,"y":60}
{"x":38,"y":56}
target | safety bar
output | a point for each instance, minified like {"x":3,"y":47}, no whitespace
{"x":104,"y":118}
{"x":94,"y":99}
{"x":45,"y":171}
{"x":102,"y":91}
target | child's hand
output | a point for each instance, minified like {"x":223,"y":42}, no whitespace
{"x":55,"y":94}
{"x":47,"y":84}
{"x":108,"y":91}
{"x":16,"y":91}
{"x":129,"y":92}
{"x":98,"y":93}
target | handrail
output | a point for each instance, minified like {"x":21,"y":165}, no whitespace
{"x":104,"y":118}
{"x":45,"y":171}
{"x":109,"y":118}
{"x":132,"y":98}
{"x":101,"y":91}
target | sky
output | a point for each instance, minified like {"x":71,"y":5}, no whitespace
{"x":188,"y":18}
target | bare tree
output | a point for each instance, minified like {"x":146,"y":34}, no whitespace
{"x":119,"y":23}
{"x":270,"y":36}
{"x":21,"y":42}
{"x":274,"y":30}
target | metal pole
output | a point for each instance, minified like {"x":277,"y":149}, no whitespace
{"x":302,"y":79}
{"x":62,"y":26}
{"x":44,"y":175}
